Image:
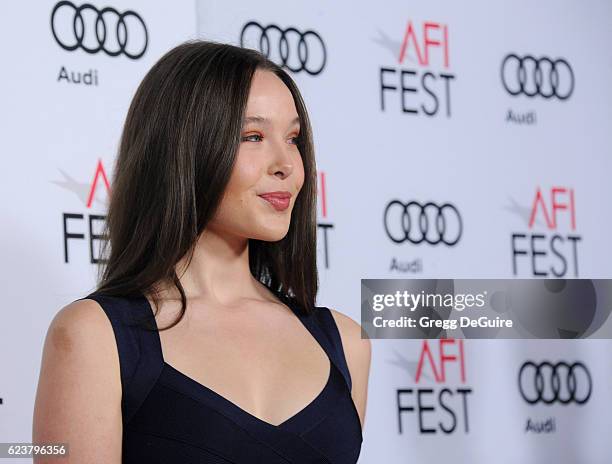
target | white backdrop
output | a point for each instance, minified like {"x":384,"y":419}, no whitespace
{"x":527,"y":178}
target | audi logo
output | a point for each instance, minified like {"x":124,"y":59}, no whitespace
{"x":95,"y":30}
{"x":297,"y":51}
{"x":542,"y":76}
{"x":555,"y":383}
{"x":416,"y":223}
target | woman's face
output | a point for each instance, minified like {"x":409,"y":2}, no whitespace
{"x":268,"y":173}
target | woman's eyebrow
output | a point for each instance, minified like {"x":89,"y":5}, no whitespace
{"x":265,"y":121}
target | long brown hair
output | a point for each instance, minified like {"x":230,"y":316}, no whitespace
{"x":176,"y":155}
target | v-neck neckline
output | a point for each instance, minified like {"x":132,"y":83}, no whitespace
{"x":199,"y":389}
{"x":204,"y":393}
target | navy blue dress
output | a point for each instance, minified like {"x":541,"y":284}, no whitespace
{"x":171,"y":418}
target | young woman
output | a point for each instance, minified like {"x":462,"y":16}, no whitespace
{"x":212,"y":222}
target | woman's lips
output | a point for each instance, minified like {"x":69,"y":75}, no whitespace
{"x":279,"y":200}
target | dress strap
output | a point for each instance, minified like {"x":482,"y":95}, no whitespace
{"x":330,"y":329}
{"x":139,"y":355}
{"x":322,"y":325}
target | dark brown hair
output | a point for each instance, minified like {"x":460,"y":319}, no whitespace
{"x":176,"y":155}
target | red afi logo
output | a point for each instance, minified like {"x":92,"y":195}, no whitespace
{"x":426,"y":40}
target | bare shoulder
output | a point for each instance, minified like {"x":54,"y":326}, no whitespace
{"x":81,"y":333}
{"x":78,"y":398}
{"x":351,"y":334}
{"x":77,"y":323}
{"x":358,"y":353}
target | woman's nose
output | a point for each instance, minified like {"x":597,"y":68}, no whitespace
{"x":281,"y":162}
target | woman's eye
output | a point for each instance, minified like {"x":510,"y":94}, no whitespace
{"x":258,"y":138}
{"x":247,"y":137}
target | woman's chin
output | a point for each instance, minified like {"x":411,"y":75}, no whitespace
{"x":272,"y":235}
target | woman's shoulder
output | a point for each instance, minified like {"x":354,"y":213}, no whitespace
{"x":79,"y":378}
{"x":79,"y":324}
{"x":81,"y":335}
{"x":80,"y":345}
{"x":358,"y":354}
{"x":356,"y":344}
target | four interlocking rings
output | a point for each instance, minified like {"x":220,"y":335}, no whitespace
{"x":80,"y":32}
{"x":537,"y":76}
{"x":287,"y":47}
{"x":547,"y":384}
{"x":444,"y":214}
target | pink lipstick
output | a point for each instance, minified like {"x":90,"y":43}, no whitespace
{"x":279,"y":200}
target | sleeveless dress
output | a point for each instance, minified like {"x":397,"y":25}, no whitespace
{"x":171,"y":418}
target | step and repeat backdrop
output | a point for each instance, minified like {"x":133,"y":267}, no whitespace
{"x":454,"y":140}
